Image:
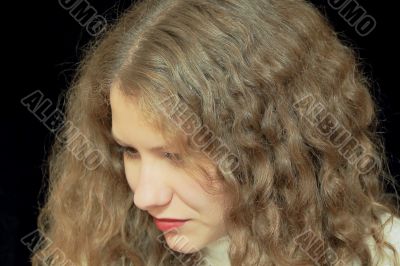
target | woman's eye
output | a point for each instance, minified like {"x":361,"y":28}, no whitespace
{"x":172,"y":156}
{"x":130,"y":153}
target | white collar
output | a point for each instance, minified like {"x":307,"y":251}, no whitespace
{"x":216,"y":253}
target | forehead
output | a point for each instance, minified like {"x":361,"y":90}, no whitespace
{"x":127,"y":106}
{"x":121,"y":102}
{"x":127,"y":118}
{"x":129,"y":122}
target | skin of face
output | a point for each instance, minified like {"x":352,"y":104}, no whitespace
{"x":162,"y":188}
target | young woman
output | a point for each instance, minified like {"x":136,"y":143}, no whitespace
{"x":226,"y":132}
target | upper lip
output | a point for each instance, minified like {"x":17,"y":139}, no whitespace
{"x":170,"y":219}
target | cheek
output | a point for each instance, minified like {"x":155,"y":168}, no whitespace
{"x":195,"y":196}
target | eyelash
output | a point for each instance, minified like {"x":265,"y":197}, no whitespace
{"x":125,"y":150}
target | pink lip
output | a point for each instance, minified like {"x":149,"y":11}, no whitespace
{"x":168,"y":224}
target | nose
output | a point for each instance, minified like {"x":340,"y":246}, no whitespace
{"x":152,"y":189}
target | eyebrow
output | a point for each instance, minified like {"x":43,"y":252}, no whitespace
{"x":154,"y":149}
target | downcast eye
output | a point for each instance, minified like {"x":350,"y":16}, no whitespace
{"x":172,"y":156}
{"x":133,"y":153}
{"x":130,"y":153}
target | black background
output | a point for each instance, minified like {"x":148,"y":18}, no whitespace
{"x":42,"y":47}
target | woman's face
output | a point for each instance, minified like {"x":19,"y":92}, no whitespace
{"x":160,"y":187}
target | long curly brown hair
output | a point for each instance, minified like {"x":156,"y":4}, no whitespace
{"x":272,"y":81}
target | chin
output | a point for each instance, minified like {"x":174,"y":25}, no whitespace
{"x":181,"y":243}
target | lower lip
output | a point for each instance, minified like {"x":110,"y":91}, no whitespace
{"x":164,"y":225}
